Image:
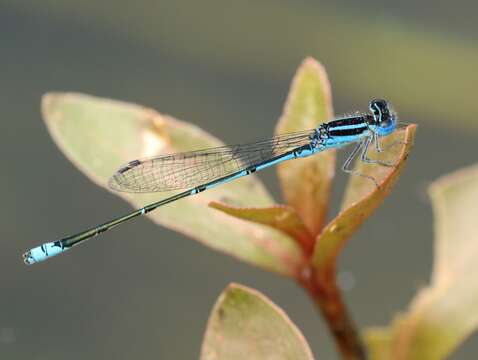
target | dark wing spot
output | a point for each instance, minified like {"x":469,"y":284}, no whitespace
{"x":129,"y":166}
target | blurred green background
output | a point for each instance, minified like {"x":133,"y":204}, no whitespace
{"x":146,"y":292}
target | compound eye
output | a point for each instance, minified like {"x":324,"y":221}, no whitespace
{"x":380,"y":110}
{"x":378,"y":106}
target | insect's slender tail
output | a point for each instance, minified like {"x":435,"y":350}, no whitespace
{"x":50,"y":249}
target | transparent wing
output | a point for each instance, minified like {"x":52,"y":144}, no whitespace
{"x":189,"y":169}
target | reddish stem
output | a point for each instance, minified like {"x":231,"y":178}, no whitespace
{"x":327,"y":296}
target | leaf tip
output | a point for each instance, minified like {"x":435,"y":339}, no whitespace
{"x":46,"y":102}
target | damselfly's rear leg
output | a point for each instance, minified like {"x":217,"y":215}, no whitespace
{"x":361,"y":148}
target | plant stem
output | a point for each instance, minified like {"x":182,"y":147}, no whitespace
{"x":327,"y":296}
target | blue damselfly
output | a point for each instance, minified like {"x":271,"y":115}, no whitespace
{"x":203,"y":169}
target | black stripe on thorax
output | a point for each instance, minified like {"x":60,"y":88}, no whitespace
{"x":355,"y":120}
{"x":347,"y":132}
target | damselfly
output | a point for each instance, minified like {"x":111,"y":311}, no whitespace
{"x":203,"y":169}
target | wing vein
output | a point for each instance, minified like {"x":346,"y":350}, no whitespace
{"x":192,"y":168}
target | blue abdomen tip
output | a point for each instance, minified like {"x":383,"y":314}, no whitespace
{"x":43,"y":252}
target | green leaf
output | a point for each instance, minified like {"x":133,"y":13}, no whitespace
{"x":244,"y":324}
{"x":445,"y":313}
{"x":363,"y":197}
{"x":306,"y":183}
{"x":280,"y":217}
{"x":99,"y":135}
{"x":379,"y":341}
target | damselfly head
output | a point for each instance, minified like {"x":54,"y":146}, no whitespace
{"x":384,"y":117}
